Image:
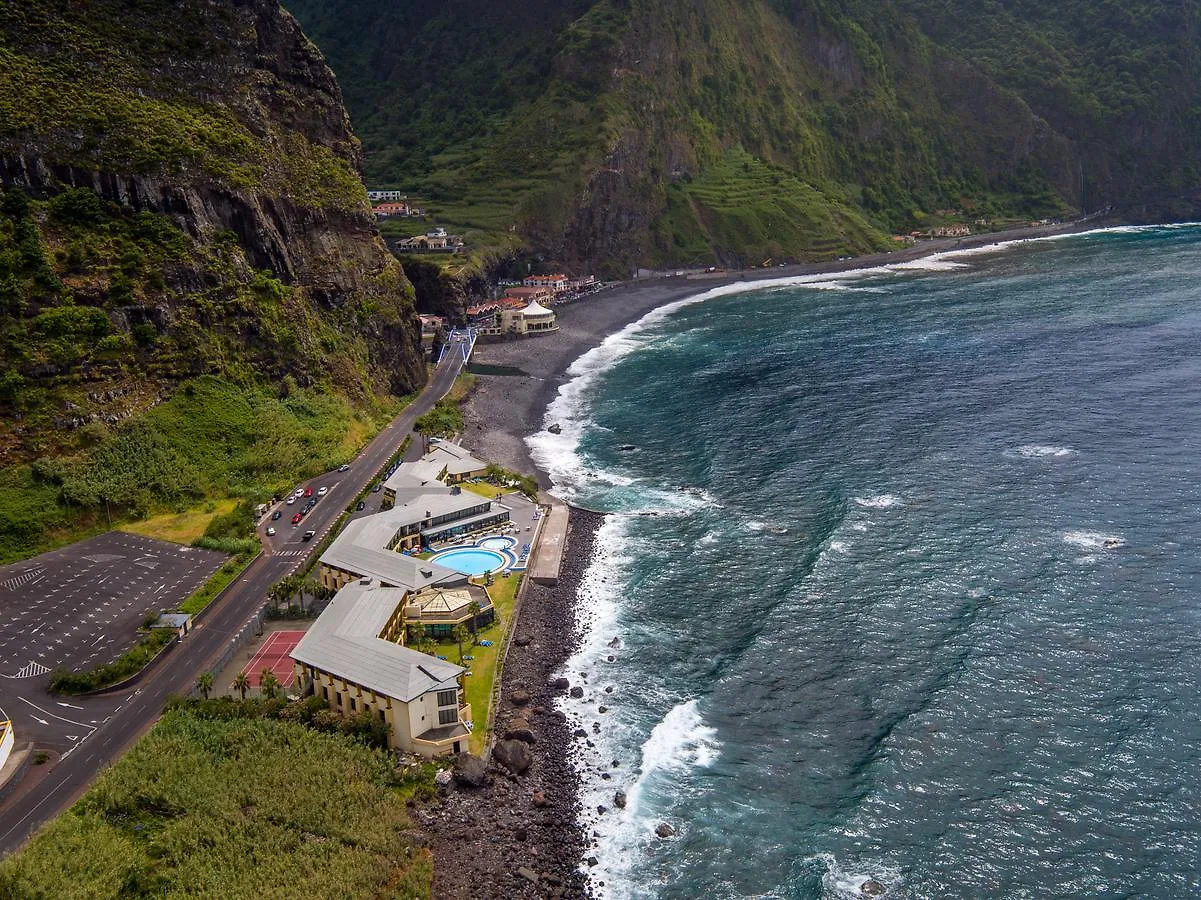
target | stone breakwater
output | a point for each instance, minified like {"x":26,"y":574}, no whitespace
{"x":511,"y":829}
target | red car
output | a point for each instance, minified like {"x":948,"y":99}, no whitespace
{"x":296,"y":518}
{"x":308,"y":492}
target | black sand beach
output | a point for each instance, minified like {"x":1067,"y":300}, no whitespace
{"x":504,"y":409}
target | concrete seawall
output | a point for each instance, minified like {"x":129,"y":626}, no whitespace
{"x":552,"y":542}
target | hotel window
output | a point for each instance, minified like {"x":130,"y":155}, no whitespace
{"x":447,"y":716}
{"x":448,"y":698}
{"x":352,"y":705}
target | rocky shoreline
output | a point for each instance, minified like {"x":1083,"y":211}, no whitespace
{"x":499,"y":832}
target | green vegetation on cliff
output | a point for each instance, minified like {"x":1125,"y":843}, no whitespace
{"x":609,"y":132}
{"x":229,"y":807}
{"x":180,"y":204}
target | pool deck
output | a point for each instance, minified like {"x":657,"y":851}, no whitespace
{"x":547,"y":557}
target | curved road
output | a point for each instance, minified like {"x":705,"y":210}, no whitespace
{"x":31,"y":806}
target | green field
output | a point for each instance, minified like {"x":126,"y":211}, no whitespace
{"x":249,"y":808}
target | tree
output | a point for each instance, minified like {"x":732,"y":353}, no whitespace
{"x":268,"y":684}
{"x":458,"y":633}
{"x":474,"y":608}
{"x":242,"y":684}
{"x":205,"y":684}
{"x":419,"y":639}
{"x":278,"y":593}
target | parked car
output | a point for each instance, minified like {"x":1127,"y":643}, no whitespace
{"x":270,"y":532}
{"x":322,"y":491}
{"x":275,"y":516}
{"x":308,"y":492}
{"x":362,"y":506}
{"x":375,"y":490}
{"x":308,"y":535}
{"x":343,"y":468}
{"x":296,"y":518}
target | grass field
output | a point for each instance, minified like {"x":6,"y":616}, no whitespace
{"x":248,"y":808}
{"x":503,"y":592}
{"x":180,"y":528}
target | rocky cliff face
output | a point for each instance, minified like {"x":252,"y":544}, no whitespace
{"x":192,"y":172}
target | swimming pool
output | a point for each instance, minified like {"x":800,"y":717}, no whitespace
{"x":473,"y":561}
{"x":497,"y":543}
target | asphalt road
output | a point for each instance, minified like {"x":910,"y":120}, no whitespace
{"x":121,"y":720}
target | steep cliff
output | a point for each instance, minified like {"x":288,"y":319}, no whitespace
{"x":624,"y":132}
{"x":201,"y":180}
{"x":181,"y":198}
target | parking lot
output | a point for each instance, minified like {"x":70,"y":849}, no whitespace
{"x":80,"y":607}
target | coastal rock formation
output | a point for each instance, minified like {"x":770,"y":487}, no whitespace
{"x":470,"y":770}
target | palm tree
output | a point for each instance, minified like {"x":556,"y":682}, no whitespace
{"x":205,"y":683}
{"x":420,"y":640}
{"x":278,"y":592}
{"x":268,"y":684}
{"x":458,"y":633}
{"x":474,"y":608}
{"x":242,"y":684}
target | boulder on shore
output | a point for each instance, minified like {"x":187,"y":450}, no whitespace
{"x":519,"y":697}
{"x":577,"y":692}
{"x":539,"y":799}
{"x":619,"y":799}
{"x":664,"y":830}
{"x":560,"y":684}
{"x":519,"y":730}
{"x":513,"y":755}
{"x":470,"y":770}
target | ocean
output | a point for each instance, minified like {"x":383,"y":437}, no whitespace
{"x":901,"y":579}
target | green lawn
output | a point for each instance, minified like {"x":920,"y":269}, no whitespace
{"x":248,"y":808}
{"x":503,"y":592}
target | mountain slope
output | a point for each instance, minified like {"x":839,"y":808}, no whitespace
{"x":181,"y":197}
{"x":625,"y":132}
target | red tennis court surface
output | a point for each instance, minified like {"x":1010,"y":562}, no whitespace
{"x":273,"y":655}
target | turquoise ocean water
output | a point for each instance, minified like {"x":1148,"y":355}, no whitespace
{"x":905,"y":578}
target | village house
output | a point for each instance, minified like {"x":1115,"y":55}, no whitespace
{"x":388,"y":210}
{"x":375,"y":195}
{"x":434,"y":241}
{"x":943,"y":231}
{"x":430,"y":326}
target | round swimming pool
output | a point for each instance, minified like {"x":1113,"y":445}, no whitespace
{"x":470,"y":562}
{"x":497,"y":543}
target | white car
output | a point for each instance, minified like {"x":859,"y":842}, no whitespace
{"x":270,"y":532}
{"x":322,"y":491}
{"x":291,"y":500}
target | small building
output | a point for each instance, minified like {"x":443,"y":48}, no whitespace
{"x":354,"y":659}
{"x":944,"y":231}
{"x":389,"y":210}
{"x":529,"y":294}
{"x":452,"y":462}
{"x":433,"y":241}
{"x":530,"y":319}
{"x":430,"y":326}
{"x":375,"y":195}
{"x":556,"y":282}
{"x":439,"y":609}
{"x":180,"y":622}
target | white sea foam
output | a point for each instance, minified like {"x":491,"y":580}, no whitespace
{"x":678,"y":745}
{"x":880,"y":501}
{"x":1094,"y":540}
{"x":937,"y":262}
{"x":839,"y":547}
{"x":1045,"y":451}
{"x":839,"y":881}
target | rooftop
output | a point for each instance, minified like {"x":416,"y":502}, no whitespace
{"x":362,"y":548}
{"x":345,"y":641}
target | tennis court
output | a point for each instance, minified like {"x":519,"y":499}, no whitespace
{"x":273,"y":655}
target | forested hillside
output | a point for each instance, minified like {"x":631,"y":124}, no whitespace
{"x":623,"y":132}
{"x":179,"y":197}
